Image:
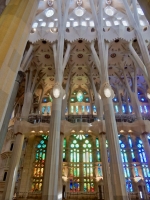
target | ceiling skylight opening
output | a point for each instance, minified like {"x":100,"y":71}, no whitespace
{"x":75,"y":24}
{"x":40,"y":20}
{"x":71,"y":19}
{"x":108,"y":23}
{"x":56,"y":20}
{"x":109,"y":11}
{"x":51,"y":24}
{"x":43,"y":24}
{"x":83,"y":23}
{"x":116,"y":23}
{"x":104,"y":18}
{"x":91,"y":23}
{"x":140,"y":11}
{"x":50,"y":12}
{"x":68,"y":24}
{"x":79,"y":11}
{"x":35,"y":25}
{"x":87,"y":19}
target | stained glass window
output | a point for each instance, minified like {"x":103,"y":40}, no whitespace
{"x":83,"y":109}
{"x":141,"y":150}
{"x":77,"y":109}
{"x":64,"y":150}
{"x":72,"y":109}
{"x":39,"y":164}
{"x":80,"y":96}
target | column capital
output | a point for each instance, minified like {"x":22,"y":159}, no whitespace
{"x":20,"y":76}
{"x":144,"y":133}
{"x":61,"y":133}
{"x":102,"y":133}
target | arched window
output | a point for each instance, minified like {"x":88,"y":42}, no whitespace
{"x":39,"y":164}
{"x":81,"y":166}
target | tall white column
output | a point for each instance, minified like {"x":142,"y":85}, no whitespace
{"x":105,"y":168}
{"x":60,"y":166}
{"x":50,"y":182}
{"x":10,"y":108}
{"x":13,"y":169}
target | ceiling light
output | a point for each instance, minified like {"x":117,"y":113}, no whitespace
{"x":87,"y":19}
{"x":109,"y":11}
{"x":79,"y":11}
{"x":71,"y":19}
{"x":50,"y":12}
{"x":56,"y":91}
{"x":107,"y":92}
{"x":140,"y":11}
{"x":122,"y":131}
{"x":40,"y":20}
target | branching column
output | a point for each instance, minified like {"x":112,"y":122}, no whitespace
{"x":15,"y":26}
{"x":116,"y":167}
{"x":50,"y":183}
{"x":105,"y":168}
{"x":10,"y":108}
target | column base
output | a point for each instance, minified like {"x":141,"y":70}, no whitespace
{"x":121,"y":198}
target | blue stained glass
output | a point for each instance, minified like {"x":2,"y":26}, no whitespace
{"x":130,"y":109}
{"x":125,"y":157}
{"x":87,"y":109}
{"x":130,"y":142}
{"x":144,"y":157}
{"x":141,"y":109}
{"x":139,"y":146}
{"x":148,"y":187}
{"x":48,"y":109}
{"x":116,"y":107}
{"x":123,"y":109}
{"x":136,"y":171}
{"x":144,"y":171}
{"x":141,"y":158}
{"x":145,"y":107}
{"x":128,"y":172}
{"x":122,"y":146}
{"x":125,"y":173}
{"x":122,"y":157}
{"x":94,"y":109}
{"x":148,"y":172}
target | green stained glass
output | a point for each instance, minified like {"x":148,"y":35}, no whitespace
{"x":97,"y":142}
{"x":72,"y":145}
{"x":89,"y":145}
{"x":75,"y":172}
{"x":77,"y":109}
{"x":38,"y":146}
{"x":84,"y":145}
{"x":77,"y":157}
{"x":74,"y":141}
{"x":78,"y":174}
{"x":44,"y":146}
{"x":72,"y":109}
{"x":83,"y":109}
{"x":86,"y":141}
{"x":42,"y":142}
{"x":80,"y":96}
{"x":64,"y":143}
{"x":77,"y":145}
{"x":71,"y":157}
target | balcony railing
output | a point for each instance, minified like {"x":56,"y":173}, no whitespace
{"x":33,"y":118}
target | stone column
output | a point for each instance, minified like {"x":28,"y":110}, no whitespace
{"x":9,"y":109}
{"x":50,"y":182}
{"x":60,"y":166}
{"x":15,"y":26}
{"x":105,"y":167}
{"x":13,"y":169}
{"x":27,"y":166}
{"x":146,"y":147}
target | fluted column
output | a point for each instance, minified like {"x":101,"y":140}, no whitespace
{"x":60,"y":166}
{"x":146,"y":147}
{"x":105,"y":167}
{"x":15,"y":26}
{"x":13,"y":169}
{"x":9,"y":109}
